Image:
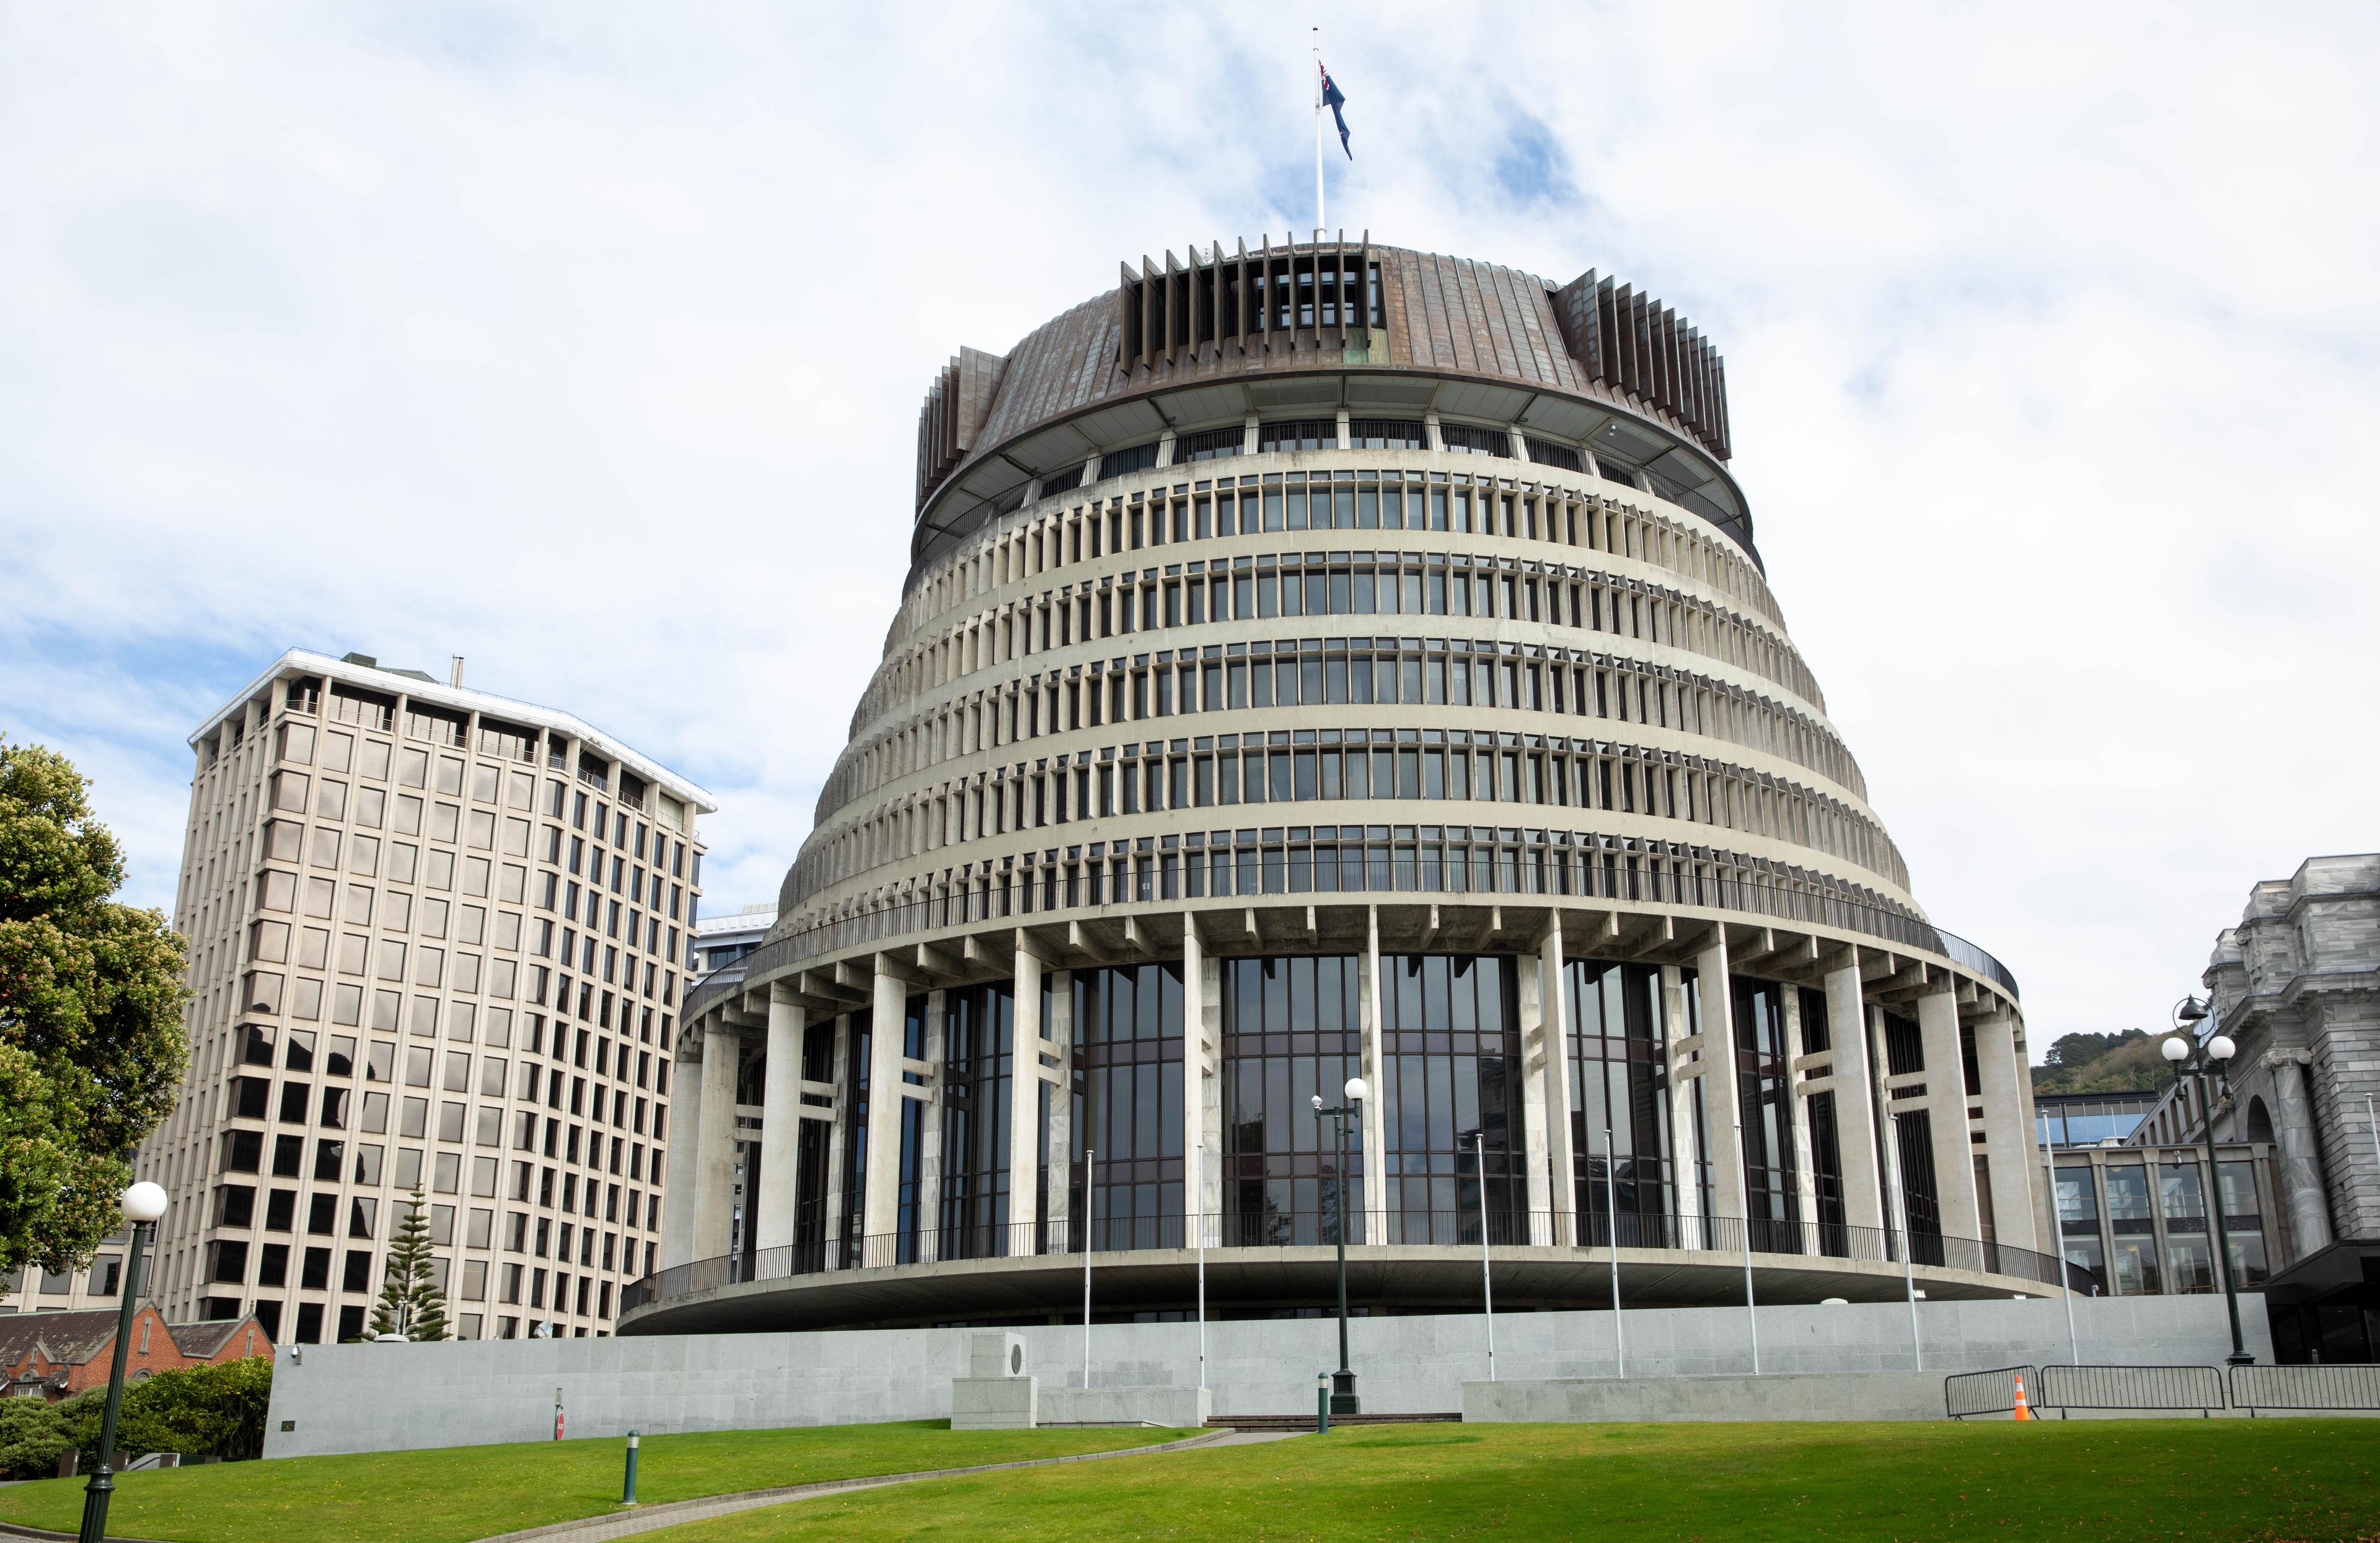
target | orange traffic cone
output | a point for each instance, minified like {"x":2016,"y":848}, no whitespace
{"x":2024,"y":1411}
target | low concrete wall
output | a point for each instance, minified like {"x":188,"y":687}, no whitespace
{"x":1176,"y":1408}
{"x":1876,"y":1396}
{"x":994,"y":1403}
{"x":388,"y":1397}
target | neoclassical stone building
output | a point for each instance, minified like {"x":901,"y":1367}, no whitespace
{"x":1323,"y":660}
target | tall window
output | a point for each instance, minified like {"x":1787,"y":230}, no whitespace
{"x":1127,"y":1114}
{"x":1618,"y":1090}
{"x":1451,"y":1061}
{"x":1913,"y":1136}
{"x":1292,"y":1029}
{"x":1825,"y":1142}
{"x":979,"y":1061}
{"x":909,"y":1220}
{"x":1764,"y":1093}
{"x":856,"y":1057}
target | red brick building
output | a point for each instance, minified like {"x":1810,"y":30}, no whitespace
{"x":58,"y":1355}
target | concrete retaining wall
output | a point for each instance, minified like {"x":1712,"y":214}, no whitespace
{"x":387,"y":1397}
{"x":1876,"y":1396}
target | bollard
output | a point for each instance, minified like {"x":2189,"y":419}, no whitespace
{"x":629,"y":1488}
{"x":558,"y":1414}
{"x":1322,"y":1410}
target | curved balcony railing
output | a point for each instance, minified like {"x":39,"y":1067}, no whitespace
{"x":1354,"y":871}
{"x":1771,"y":1241}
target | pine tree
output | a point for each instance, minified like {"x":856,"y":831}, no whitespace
{"x":410,"y":1303}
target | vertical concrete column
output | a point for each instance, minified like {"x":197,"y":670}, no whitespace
{"x":685,"y":1145}
{"x":934,"y":1161}
{"x":1210,"y":1105}
{"x":1896,"y":1212}
{"x":1685,"y":1089}
{"x":890,"y":1008}
{"x":1561,"y":1159}
{"x":781,"y":1123}
{"x":1024,"y":1103}
{"x":2303,"y":1188}
{"x":2007,"y":1135}
{"x":1060,"y":1152}
{"x":1375,"y":1123}
{"x":1723,"y":1105}
{"x":1193,"y":1079}
{"x":714,"y":1172}
{"x":1864,"y":1204}
{"x":1946,"y":1095}
{"x":1805,"y":1178}
{"x":838,"y":1136}
{"x":1530,"y":1148}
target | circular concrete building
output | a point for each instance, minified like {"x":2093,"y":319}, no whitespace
{"x":1321,"y":662}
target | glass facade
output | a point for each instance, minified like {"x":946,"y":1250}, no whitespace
{"x":1450,"y":1100}
{"x":1765,"y":1096}
{"x":1292,"y":1030}
{"x":979,"y":1060}
{"x":1620,"y":1104}
{"x":1127,"y":1181}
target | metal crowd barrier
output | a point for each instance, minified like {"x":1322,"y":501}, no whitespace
{"x":2324,"y":1387}
{"x":1986,"y":1392}
{"x":2065,"y":1387}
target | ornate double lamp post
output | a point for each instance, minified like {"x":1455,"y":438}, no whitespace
{"x":2197,"y":1060}
{"x":1343,"y":1382}
{"x":142,"y":1204}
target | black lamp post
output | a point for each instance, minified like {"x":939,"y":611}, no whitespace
{"x":142,"y":1204}
{"x":2214,"y":1056}
{"x":1342,"y":1382}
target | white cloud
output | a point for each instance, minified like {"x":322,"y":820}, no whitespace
{"x":588,"y":343}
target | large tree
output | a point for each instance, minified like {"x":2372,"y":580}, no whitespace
{"x":92,"y":1045}
{"x":410,"y":1303}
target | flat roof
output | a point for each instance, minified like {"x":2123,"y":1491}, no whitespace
{"x":461,"y":700}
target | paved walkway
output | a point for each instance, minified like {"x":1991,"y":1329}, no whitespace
{"x":600,"y":1529}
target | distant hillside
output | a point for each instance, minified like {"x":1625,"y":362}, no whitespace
{"x":2127,"y":1063}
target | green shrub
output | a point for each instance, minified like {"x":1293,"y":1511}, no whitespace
{"x":32,"y":1438}
{"x":197,"y":1411}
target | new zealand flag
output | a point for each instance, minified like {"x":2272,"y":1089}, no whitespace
{"x":1335,"y":99}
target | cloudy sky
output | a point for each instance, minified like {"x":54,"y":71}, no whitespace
{"x":586,"y":341}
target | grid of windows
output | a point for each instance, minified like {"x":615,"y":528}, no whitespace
{"x":978,"y":1071}
{"x":1292,"y":1030}
{"x":1765,"y":1096}
{"x":1126,"y":1125}
{"x":1450,"y":1099}
{"x":1619,"y":1102}
{"x":453,"y":976}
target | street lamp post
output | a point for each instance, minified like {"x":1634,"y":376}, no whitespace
{"x":142,"y":1204}
{"x":2213,"y":1054}
{"x":1342,"y":1382}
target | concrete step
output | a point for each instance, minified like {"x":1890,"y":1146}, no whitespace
{"x":1305,"y":1421}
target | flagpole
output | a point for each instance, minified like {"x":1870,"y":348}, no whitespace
{"x":1318,"y":136}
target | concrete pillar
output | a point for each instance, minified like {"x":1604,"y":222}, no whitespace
{"x":685,"y":1142}
{"x":1685,"y":1089}
{"x":1805,"y":1178}
{"x":883,"y":1199}
{"x":2301,"y":1158}
{"x":1946,"y":1096}
{"x":781,"y":1123}
{"x":1375,"y":1122}
{"x":1193,"y":1079}
{"x":1561,"y":1160}
{"x":1024,"y":1103}
{"x":934,"y":1161}
{"x":714,"y":1170}
{"x":845,"y":1112}
{"x":2007,"y":1135}
{"x":1060,"y":1153}
{"x":1723,"y":1104}
{"x":1529,"y":1142}
{"x":1855,"y":1097}
{"x":1209,"y":1046}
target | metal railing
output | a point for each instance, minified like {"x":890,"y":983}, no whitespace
{"x":1537,"y":873}
{"x":2317,"y":1387}
{"x":1986,"y":1392}
{"x":1728,"y":1237}
{"x":2065,"y":1387}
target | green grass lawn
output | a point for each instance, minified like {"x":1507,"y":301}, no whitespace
{"x":2227,"y":1482}
{"x":458,"y":1493}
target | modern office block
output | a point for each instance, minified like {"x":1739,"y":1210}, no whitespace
{"x":439,"y":941}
